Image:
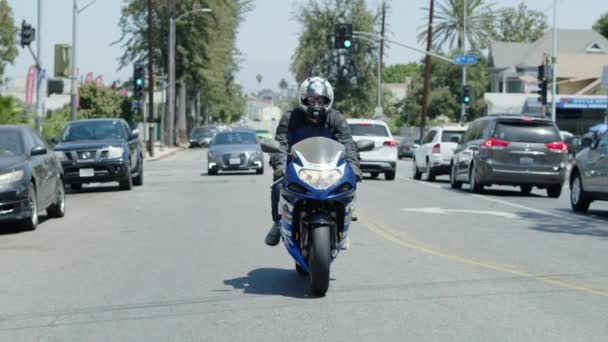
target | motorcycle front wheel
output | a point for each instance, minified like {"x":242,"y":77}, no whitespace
{"x":319,"y":260}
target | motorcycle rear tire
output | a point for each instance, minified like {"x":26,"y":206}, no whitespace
{"x":320,"y":259}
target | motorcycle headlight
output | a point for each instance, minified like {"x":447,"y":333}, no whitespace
{"x":11,"y":177}
{"x":60,"y":155}
{"x":320,"y":179}
{"x":115,"y":152}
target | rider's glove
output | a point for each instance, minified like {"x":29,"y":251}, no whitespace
{"x":278,"y":173}
{"x":357,"y":172}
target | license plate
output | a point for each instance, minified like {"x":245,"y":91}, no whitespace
{"x":235,"y":161}
{"x":87,"y":172}
{"x":526,"y":160}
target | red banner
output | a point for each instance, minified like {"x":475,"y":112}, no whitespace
{"x":88,"y":78}
{"x":99,"y":81}
{"x":29,"y":85}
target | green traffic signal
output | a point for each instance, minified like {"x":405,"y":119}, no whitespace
{"x":467,"y":99}
{"x":139,"y":81}
{"x":347,"y":43}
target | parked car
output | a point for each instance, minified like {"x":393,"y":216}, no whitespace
{"x":434,"y":155}
{"x":511,"y":150}
{"x":31,"y":178}
{"x":407,"y":147}
{"x":263,"y":134}
{"x":589,"y":176}
{"x":383,"y":158}
{"x":201,"y":137}
{"x":236,"y":150}
{"x":101,"y":150}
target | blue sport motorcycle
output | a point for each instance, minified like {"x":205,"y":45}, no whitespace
{"x":316,"y":204}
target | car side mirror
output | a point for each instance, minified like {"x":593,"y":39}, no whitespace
{"x":271,"y":147}
{"x":455,"y":139}
{"x":54,"y":141}
{"x":38,"y":151}
{"x":365,"y":145}
{"x":134,"y":134}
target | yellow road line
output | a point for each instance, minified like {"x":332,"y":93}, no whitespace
{"x":390,"y":235}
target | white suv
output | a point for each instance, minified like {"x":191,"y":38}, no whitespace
{"x":434,"y":155}
{"x":383,"y":158}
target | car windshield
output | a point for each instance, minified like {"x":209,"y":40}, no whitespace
{"x":10,"y":144}
{"x":527,"y":132}
{"x":447,"y":136}
{"x":369,"y":130}
{"x":94,"y":130}
{"x":235,"y":138}
{"x":319,"y":150}
{"x":201,"y":132}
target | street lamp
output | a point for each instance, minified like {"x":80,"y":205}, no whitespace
{"x":75,"y":12}
{"x":171,"y":63}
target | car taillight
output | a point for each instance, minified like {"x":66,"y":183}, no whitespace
{"x":390,"y":143}
{"x":495,"y":143}
{"x":558,"y":146}
{"x":436,"y":148}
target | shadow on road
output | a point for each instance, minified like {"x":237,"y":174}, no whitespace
{"x":16,"y":227}
{"x":592,"y":224}
{"x":93,"y":189}
{"x":274,"y":282}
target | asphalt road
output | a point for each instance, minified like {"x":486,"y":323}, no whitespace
{"x":182,"y":259}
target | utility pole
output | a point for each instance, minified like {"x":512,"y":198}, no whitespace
{"x":463,"y":108}
{"x":150,"y":82}
{"x":380,"y":58}
{"x":554,"y":65}
{"x":171,"y":92}
{"x":427,"y":71}
{"x":74,"y":85}
{"x":39,"y":76}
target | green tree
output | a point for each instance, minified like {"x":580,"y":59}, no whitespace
{"x":601,"y":25}
{"x":8,"y":45}
{"x":398,"y":73}
{"x":11,"y":111}
{"x":520,"y":24}
{"x":448,"y":25}
{"x":104,"y":102}
{"x":351,"y":72}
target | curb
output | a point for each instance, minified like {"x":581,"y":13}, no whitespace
{"x":165,"y":156}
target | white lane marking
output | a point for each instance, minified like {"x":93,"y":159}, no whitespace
{"x":518,"y":206}
{"x":432,"y":185}
{"x":440,"y":211}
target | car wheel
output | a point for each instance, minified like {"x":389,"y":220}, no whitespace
{"x":474,"y":186}
{"x":579,"y":199}
{"x":526,"y":189}
{"x":211,"y":172}
{"x":389,"y":175}
{"x":127,"y":184}
{"x":416,"y":174}
{"x":76,"y":186}
{"x":139,"y":179}
{"x":428,"y":173}
{"x":57,"y":208}
{"x":31,"y":222}
{"x":259,"y":171}
{"x":374,"y":174}
{"x":454,"y":183}
{"x":554,"y":190}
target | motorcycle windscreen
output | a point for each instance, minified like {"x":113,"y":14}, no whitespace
{"x":319,"y":150}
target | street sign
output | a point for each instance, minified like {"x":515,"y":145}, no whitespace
{"x":605,"y":77}
{"x":465,"y":59}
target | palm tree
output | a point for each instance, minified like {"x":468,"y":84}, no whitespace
{"x":259,"y":78}
{"x":283,"y":85}
{"x":448,"y":25}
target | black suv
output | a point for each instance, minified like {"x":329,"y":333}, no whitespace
{"x":101,"y":150}
{"x":511,"y":150}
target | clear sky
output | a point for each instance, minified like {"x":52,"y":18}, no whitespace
{"x":268,"y":37}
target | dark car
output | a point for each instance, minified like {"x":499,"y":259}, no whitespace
{"x":511,"y":150}
{"x":101,"y":150}
{"x":31,"y":178}
{"x":201,"y":137}
{"x":236,"y":150}
{"x":589,"y":176}
{"x":407,"y":147}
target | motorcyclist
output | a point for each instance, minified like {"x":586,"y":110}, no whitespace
{"x":312,"y":118}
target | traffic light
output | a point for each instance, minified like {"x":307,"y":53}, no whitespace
{"x":542,"y":86}
{"x":28,"y":34}
{"x":467,"y":91}
{"x":139,"y":73}
{"x":344,"y":36}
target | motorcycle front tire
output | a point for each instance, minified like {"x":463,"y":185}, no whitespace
{"x":319,"y":260}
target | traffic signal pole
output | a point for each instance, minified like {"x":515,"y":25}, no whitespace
{"x":463,"y":108}
{"x":39,"y":76}
{"x":150,"y":83}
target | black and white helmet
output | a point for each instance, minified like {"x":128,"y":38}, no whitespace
{"x":315,"y":88}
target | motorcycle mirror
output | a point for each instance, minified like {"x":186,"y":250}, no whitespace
{"x":271,"y":147}
{"x":365,"y":145}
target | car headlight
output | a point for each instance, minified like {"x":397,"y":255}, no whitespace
{"x":115,"y":152}
{"x":11,"y":177}
{"x":320,"y":179}
{"x":210,"y":155}
{"x":60,"y":155}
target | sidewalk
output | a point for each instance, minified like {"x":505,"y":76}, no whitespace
{"x":162,"y":152}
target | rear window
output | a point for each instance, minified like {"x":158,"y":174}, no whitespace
{"x":526,"y":132}
{"x":370,"y":130}
{"x":448,"y":135}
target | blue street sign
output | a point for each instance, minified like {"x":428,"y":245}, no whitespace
{"x":465,"y":59}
